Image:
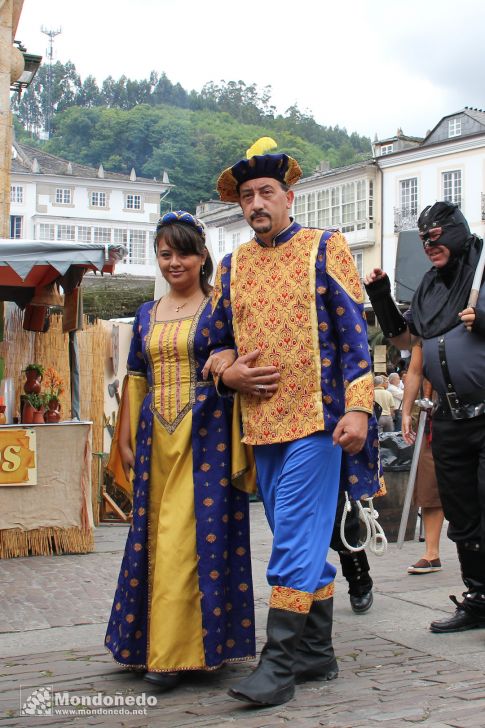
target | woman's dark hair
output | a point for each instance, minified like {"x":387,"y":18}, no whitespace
{"x":186,"y":239}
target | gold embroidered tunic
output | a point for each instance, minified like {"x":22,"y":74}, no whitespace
{"x":300,"y":304}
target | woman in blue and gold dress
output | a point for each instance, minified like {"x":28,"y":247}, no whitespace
{"x":184,"y":599}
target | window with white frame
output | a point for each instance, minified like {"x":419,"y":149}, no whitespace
{"x":323,"y":208}
{"x":16,"y":226}
{"x":236,"y":239}
{"x":16,"y":193}
{"x":452,"y":186}
{"x":101,"y":235}
{"x":84,"y":234}
{"x":360,"y":204}
{"x":454,"y":127}
{"x":98,"y":199}
{"x":299,"y":209}
{"x":120,"y":235}
{"x":336,"y":211}
{"x":371,"y":203}
{"x":66,"y":232}
{"x":137,"y":247}
{"x":387,"y":149}
{"x":221,"y":240}
{"x":133,"y":202}
{"x":409,"y":195}
{"x":358,"y":257}
{"x":311,"y":216}
{"x":344,"y":205}
{"x":46,"y":231}
{"x":348,"y":207}
{"x":63,"y":196}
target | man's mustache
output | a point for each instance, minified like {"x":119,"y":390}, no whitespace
{"x":259,"y":214}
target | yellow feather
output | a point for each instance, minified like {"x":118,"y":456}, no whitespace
{"x":263,"y":145}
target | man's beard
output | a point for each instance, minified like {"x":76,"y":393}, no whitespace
{"x":265,"y":226}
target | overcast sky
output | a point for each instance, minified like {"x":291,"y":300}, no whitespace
{"x":370,"y":66}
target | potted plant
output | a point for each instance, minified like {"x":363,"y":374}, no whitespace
{"x":33,"y":373}
{"x":53,"y":390}
{"x":33,"y":410}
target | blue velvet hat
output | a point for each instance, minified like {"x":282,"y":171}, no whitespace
{"x":281,"y":167}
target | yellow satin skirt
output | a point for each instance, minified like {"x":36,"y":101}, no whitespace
{"x":175,"y":618}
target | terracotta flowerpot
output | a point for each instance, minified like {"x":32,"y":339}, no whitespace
{"x":38,"y":417}
{"x":53,"y":411}
{"x":33,"y":382}
{"x":27,"y":413}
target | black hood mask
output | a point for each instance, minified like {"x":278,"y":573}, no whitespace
{"x":448,"y":216}
{"x":444,"y":292}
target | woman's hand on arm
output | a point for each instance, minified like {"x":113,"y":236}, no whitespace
{"x":218,"y":362}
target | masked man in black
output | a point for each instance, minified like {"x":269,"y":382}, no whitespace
{"x":453,"y":340}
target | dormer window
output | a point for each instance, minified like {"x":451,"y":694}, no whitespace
{"x":454,"y":128}
{"x":98,"y":199}
{"x":63,"y":196}
{"x":387,"y":149}
{"x":133,"y":202}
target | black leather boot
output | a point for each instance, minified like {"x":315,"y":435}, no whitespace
{"x":273,"y":681}
{"x":355,"y":568}
{"x":163,"y":680}
{"x":470,"y":613}
{"x":315,"y":658}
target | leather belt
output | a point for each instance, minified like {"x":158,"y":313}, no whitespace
{"x":463,"y":406}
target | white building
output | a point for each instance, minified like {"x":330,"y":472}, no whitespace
{"x":448,"y":164}
{"x":54,"y":199}
{"x":226,"y":227}
{"x":344,"y":198}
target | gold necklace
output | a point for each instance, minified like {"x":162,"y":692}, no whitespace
{"x":182,"y":305}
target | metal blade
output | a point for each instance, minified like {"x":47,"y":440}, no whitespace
{"x":411,"y":480}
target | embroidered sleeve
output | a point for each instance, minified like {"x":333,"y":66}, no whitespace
{"x":341,"y":266}
{"x":137,"y":365}
{"x":221,"y":334}
{"x":345,"y":301}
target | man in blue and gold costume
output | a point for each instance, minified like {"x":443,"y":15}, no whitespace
{"x":290,"y":303}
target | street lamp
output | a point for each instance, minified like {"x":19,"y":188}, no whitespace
{"x":31,"y":65}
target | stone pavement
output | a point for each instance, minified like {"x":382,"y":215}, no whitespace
{"x":393,"y":671}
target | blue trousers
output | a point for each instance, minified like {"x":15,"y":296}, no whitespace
{"x":299,"y":482}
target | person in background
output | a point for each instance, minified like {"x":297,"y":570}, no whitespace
{"x":184,"y":599}
{"x":452,"y":333}
{"x":385,"y":401}
{"x":394,"y":387}
{"x":355,"y":565}
{"x":426,"y":494}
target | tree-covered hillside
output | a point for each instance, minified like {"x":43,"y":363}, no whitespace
{"x":155,"y":126}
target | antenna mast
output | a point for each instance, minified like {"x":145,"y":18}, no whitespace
{"x":50,"y":55}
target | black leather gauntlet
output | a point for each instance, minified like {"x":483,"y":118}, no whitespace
{"x":391,"y":320}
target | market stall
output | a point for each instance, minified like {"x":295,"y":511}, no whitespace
{"x":45,"y":469}
{"x":45,"y":498}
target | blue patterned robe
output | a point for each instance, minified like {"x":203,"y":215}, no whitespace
{"x":221,"y":516}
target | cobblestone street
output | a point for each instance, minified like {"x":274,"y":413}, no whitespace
{"x":393,"y":671}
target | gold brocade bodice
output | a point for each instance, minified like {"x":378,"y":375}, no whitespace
{"x":274,"y":310}
{"x":168,"y":349}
